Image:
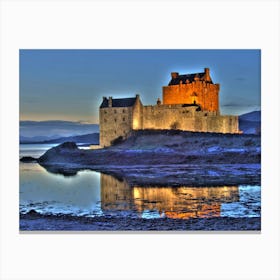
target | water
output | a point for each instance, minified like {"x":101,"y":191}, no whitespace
{"x":94,"y":194}
{"x":34,"y":150}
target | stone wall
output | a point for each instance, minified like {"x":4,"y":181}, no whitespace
{"x":114,"y":122}
{"x":137,"y":113}
{"x":203,"y":93}
{"x":187,"y":118}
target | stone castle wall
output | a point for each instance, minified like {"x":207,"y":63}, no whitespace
{"x":203,"y":93}
{"x":119,"y":121}
{"x":114,"y":122}
{"x":137,"y":114}
{"x":187,"y":118}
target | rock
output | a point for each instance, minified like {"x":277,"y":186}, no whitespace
{"x":28,"y":159}
{"x":32,"y":212}
{"x":58,"y":153}
{"x":67,"y":145}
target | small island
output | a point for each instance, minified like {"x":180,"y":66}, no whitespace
{"x":191,"y":158}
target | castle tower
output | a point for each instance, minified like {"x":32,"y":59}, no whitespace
{"x":190,"y":88}
{"x":117,"y":117}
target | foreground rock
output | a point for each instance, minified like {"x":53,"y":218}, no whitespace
{"x":35,"y":221}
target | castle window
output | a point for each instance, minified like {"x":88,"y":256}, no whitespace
{"x":115,"y":111}
{"x":115,"y":120}
{"x":205,"y":114}
{"x":105,"y":120}
{"x":123,"y":119}
{"x":123,"y":110}
{"x":105,"y":112}
{"x":115,"y":132}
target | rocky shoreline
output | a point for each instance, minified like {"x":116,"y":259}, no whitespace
{"x":172,"y":175}
{"x":34,"y":221}
{"x":165,"y":157}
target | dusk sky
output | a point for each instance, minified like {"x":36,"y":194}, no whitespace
{"x":69,"y":84}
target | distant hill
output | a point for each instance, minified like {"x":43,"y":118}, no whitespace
{"x":33,"y":131}
{"x":254,"y":116}
{"x":34,"y":139}
{"x":250,"y":123}
{"x":92,"y":138}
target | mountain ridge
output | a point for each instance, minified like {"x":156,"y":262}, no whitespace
{"x":250,"y":123}
{"x":91,"y":138}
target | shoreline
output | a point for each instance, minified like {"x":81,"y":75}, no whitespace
{"x":37,"y":222}
{"x":156,"y":159}
{"x":172,"y":175}
{"x":165,"y":157}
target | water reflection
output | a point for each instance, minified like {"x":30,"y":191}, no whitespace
{"x":92,"y":193}
{"x":173,"y":202}
{"x":56,"y":194}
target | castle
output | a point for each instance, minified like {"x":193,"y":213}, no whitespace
{"x":190,"y":102}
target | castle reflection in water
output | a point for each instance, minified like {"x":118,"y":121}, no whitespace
{"x":173,"y":202}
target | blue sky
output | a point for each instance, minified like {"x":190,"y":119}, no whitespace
{"x":69,"y":84}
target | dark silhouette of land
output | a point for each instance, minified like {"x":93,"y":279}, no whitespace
{"x":166,"y":156}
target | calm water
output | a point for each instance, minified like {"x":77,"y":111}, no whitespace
{"x":92,"y":193}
